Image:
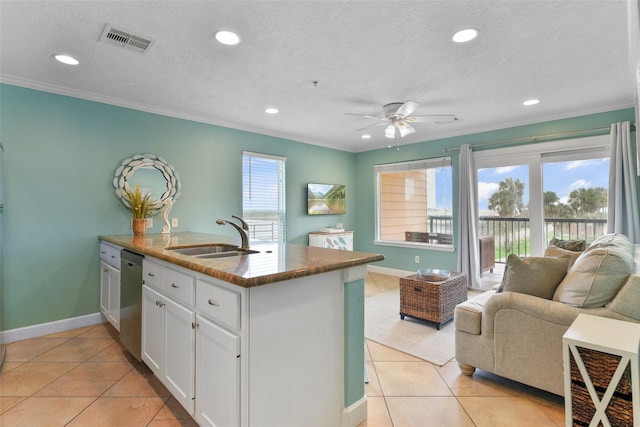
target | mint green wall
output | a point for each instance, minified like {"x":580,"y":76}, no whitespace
{"x":61,"y":154}
{"x":60,"y":157}
{"x":403,"y":258}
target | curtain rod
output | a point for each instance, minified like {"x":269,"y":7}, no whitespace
{"x":535,"y":138}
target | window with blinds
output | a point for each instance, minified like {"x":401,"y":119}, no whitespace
{"x":414,"y":202}
{"x":263,"y":196}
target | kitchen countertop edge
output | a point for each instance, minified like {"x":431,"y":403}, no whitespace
{"x":301,"y":260}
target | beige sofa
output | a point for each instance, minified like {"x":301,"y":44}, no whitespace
{"x":516,"y":330}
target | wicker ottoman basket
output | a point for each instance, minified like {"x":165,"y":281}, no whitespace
{"x":432,"y":300}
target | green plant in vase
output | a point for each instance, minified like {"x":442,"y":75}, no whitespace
{"x":141,"y":206}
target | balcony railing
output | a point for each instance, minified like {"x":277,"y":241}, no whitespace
{"x":512,"y":235}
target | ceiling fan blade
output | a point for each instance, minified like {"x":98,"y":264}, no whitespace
{"x":432,"y":118}
{"x":367,"y":116}
{"x":407,"y":108}
{"x":371,"y":126}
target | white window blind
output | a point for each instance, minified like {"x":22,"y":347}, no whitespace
{"x":263,"y":195}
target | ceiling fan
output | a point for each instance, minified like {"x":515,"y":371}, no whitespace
{"x":397,"y":118}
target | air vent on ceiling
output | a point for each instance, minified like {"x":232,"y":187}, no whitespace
{"x":121,"y":38}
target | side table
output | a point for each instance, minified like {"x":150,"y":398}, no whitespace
{"x":601,"y":377}
{"x":431,"y":300}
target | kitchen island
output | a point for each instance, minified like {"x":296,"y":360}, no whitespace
{"x":273,"y":338}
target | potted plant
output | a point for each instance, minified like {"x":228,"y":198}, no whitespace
{"x":141,"y":207}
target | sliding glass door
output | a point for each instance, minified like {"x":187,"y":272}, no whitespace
{"x":530,"y":194}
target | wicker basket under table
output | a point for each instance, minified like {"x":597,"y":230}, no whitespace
{"x":432,"y":300}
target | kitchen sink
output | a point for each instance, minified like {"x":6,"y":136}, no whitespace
{"x":214,"y":250}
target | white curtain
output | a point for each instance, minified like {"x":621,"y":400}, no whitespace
{"x":623,"y":214}
{"x":468,"y":251}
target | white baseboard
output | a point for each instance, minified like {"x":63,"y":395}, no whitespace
{"x":389,"y":271}
{"x":355,"y":414}
{"x":35,"y":331}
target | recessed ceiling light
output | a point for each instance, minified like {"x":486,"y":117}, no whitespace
{"x":531,"y":102}
{"x":228,"y":37}
{"x":65,"y":59}
{"x":271,"y":111}
{"x":366,"y":136}
{"x":465,"y":35}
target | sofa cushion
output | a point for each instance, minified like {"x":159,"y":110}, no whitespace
{"x":612,"y":239}
{"x":596,"y":277}
{"x":554,"y":251}
{"x":570,"y":245}
{"x":627,"y":300}
{"x":537,"y":276}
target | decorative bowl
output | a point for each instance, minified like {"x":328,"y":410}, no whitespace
{"x":433,"y":274}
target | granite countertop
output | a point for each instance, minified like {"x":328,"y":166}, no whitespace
{"x":275,"y":262}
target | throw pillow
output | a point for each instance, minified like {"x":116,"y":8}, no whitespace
{"x":537,"y":276}
{"x":554,"y":251}
{"x":570,"y":245}
{"x":596,"y":277}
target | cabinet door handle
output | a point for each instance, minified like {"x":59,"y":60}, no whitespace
{"x":194,"y":325}
{"x":151,"y":275}
{"x":173,"y":285}
{"x":105,"y":270}
{"x":214,"y":303}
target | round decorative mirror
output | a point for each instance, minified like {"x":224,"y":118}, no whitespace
{"x":153,"y":174}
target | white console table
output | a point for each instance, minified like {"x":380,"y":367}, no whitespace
{"x":604,"y":355}
{"x":333,"y":240}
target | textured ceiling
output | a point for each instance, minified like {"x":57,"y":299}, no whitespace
{"x":573,"y":55}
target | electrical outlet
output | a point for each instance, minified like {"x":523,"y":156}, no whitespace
{"x":174,"y":222}
{"x":149,"y":222}
{"x":417,"y":259}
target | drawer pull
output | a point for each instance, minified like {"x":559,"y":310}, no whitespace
{"x":105,"y":270}
{"x":214,"y":303}
{"x":151,"y":275}
{"x":173,"y":285}
{"x":417,"y":289}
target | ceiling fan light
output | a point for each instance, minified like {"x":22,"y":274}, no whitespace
{"x":404,"y":131}
{"x":390,"y":131}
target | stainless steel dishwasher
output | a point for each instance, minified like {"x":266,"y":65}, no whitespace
{"x":131,"y":301}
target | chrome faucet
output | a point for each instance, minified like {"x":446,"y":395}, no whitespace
{"x":245,"y":226}
{"x":243,"y":233}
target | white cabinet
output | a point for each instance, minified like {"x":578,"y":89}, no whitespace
{"x":168,"y":344}
{"x":342,"y":241}
{"x":110,"y":283}
{"x":253,"y":352}
{"x":153,"y":331}
{"x":110,"y":294}
{"x":218,"y":379}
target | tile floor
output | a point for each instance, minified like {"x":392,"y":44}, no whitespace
{"x":84,"y":378}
